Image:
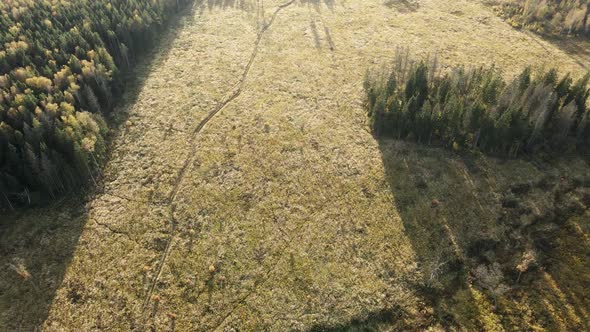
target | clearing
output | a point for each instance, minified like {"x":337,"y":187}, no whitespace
{"x":245,"y":191}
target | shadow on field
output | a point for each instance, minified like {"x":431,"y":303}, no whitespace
{"x":38,"y":244}
{"x":370,"y":323}
{"x":317,"y":4}
{"x":430,"y":197}
{"x":404,"y":6}
{"x":461,"y":213}
{"x":577,"y":49}
{"x":245,"y":5}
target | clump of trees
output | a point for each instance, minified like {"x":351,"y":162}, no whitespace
{"x":61,"y":66}
{"x":549,"y":16}
{"x":477,"y":109}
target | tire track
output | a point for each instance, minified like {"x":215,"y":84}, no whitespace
{"x":235,"y":92}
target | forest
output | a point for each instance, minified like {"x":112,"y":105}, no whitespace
{"x":62,"y":67}
{"x":551,"y":17}
{"x":475,"y":108}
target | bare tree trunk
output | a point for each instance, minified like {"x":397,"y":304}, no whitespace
{"x":495,"y":301}
{"x":96,"y":164}
{"x":7,"y":200}
{"x":28,"y":195}
{"x":91,"y":176}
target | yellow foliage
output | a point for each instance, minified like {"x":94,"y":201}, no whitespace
{"x":69,"y":97}
{"x":88,"y":143}
{"x":67,"y":108}
{"x":21,"y":74}
{"x":74,"y":87}
{"x":87,"y":72}
{"x":16,"y":45}
{"x":14,"y":30}
{"x":19,"y":99}
{"x":40,"y":83}
{"x":86,"y":120}
{"x":70,"y":120}
{"x":4,"y":82}
{"x":51,"y":108}
{"x":61,"y":77}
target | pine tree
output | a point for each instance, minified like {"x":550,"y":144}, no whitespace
{"x":475,"y":108}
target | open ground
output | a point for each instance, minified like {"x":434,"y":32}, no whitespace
{"x":245,"y":192}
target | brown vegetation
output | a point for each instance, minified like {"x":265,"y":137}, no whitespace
{"x":307,"y":220}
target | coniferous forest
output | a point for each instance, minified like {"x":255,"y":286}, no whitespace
{"x":61,"y":68}
{"x":563,"y":17}
{"x":476,"y":108}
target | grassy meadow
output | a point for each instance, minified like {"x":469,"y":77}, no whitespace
{"x":283,"y":212}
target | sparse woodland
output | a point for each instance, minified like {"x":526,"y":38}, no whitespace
{"x":61,"y":68}
{"x":569,"y":17}
{"x":477,"y":109}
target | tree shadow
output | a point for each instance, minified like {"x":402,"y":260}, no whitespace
{"x":245,"y":5}
{"x":37,"y":244}
{"x":318,"y":3}
{"x":404,"y":6}
{"x":371,"y":322}
{"x":36,"y":247}
{"x":428,"y":202}
{"x":557,"y":292}
{"x":578,"y":49}
{"x":465,"y":213}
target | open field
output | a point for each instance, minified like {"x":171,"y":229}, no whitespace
{"x":245,"y":192}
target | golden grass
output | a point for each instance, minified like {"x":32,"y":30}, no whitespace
{"x":306,"y":219}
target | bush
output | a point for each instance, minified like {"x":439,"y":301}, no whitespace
{"x":476,"y":108}
{"x":60,"y":68}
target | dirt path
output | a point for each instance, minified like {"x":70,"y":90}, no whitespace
{"x":275,"y":182}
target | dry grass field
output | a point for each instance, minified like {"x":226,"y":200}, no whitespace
{"x":245,"y":192}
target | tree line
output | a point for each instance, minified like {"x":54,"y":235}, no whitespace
{"x":570,"y":17}
{"x":475,"y":108}
{"x":61,"y":67}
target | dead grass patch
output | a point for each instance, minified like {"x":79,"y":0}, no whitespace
{"x":306,"y":219}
